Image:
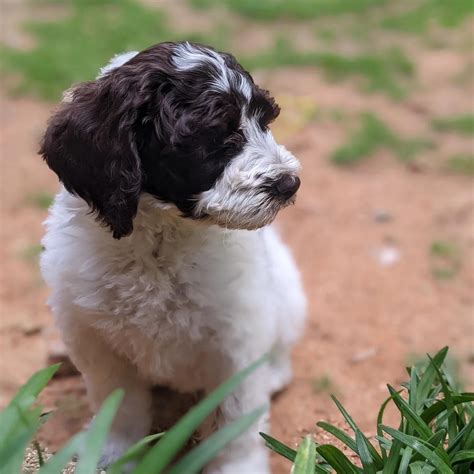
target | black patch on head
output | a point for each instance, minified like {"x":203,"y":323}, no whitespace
{"x":264,"y":107}
{"x":147,"y":126}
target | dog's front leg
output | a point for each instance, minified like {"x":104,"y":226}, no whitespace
{"x":103,"y":372}
{"x":247,"y":454}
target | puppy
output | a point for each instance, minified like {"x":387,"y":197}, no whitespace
{"x":160,"y":266}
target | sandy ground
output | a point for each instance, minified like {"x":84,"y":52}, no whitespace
{"x":374,"y":302}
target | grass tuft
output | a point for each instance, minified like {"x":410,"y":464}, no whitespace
{"x":463,"y":124}
{"x":323,"y":383}
{"x":380,"y":72}
{"x":446,"y":259}
{"x":295,"y":9}
{"x":73,"y":49}
{"x":462,"y":163}
{"x":41,"y":199}
{"x":22,"y":418}
{"x":435,"y":434}
{"x":372,"y":135}
{"x":418,"y":17}
{"x":31,"y":252}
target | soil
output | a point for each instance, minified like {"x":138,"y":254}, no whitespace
{"x":361,"y":237}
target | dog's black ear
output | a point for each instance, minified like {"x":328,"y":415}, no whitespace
{"x":90,"y":145}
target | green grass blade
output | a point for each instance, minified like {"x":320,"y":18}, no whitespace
{"x":405,"y":460}
{"x":368,"y":463}
{"x":452,"y":424}
{"x":35,"y":384}
{"x":387,"y":444}
{"x":13,"y":452}
{"x":466,"y":455}
{"x":428,"y":377}
{"x":15,"y":416}
{"x":430,"y":413}
{"x":420,"y":467}
{"x":345,"y":414}
{"x":337,"y":459}
{"x":351,"y":443}
{"x":196,"y":459}
{"x":305,"y":457}
{"x":134,"y":453}
{"x":57,"y":462}
{"x":279,"y":448}
{"x":421,"y":447}
{"x":414,"y":420}
{"x":394,"y":457}
{"x":463,"y":124}
{"x":380,"y":415}
{"x":461,"y":436}
{"x":412,"y":388}
{"x":96,"y":436}
{"x":438,"y":438}
{"x":174,"y":439}
{"x":339,"y":434}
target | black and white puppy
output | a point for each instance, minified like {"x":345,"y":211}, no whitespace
{"x":167,"y":163}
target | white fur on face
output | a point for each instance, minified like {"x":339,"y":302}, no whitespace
{"x":241,"y":199}
{"x":187,"y":57}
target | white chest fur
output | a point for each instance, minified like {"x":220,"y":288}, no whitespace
{"x":172,"y":293}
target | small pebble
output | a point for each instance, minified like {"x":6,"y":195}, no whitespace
{"x":364,"y":355}
{"x":381,"y":216}
{"x":387,"y":255}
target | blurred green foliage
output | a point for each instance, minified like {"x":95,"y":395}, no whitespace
{"x":420,"y":14}
{"x":342,"y":40}
{"x":41,"y":199}
{"x":372,"y":135}
{"x":446,"y":258}
{"x":462,"y":163}
{"x":463,"y":124}
{"x":74,"y":48}
{"x":294,"y":9}
{"x":381,"y":71}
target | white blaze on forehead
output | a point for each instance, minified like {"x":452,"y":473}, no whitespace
{"x":187,"y":57}
{"x":117,"y":61}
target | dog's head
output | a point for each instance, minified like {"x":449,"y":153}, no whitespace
{"x":179,"y":121}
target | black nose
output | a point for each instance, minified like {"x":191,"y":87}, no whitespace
{"x":287,"y":185}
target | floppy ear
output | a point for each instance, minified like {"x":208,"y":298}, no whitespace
{"x":90,"y":145}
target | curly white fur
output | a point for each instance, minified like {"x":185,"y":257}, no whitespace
{"x":177,"y":303}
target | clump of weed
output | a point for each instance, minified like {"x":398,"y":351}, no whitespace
{"x":41,"y":199}
{"x":446,"y":259}
{"x":31,"y":253}
{"x":322,"y":384}
{"x":294,"y":9}
{"x":462,"y":163}
{"x":435,"y":434}
{"x":372,"y":135}
{"x":22,"y":418}
{"x":463,"y":124}
{"x":379,"y":72}
{"x":73,"y":49}
{"x":418,"y":15}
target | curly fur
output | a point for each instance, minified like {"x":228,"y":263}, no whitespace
{"x":161,"y":147}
